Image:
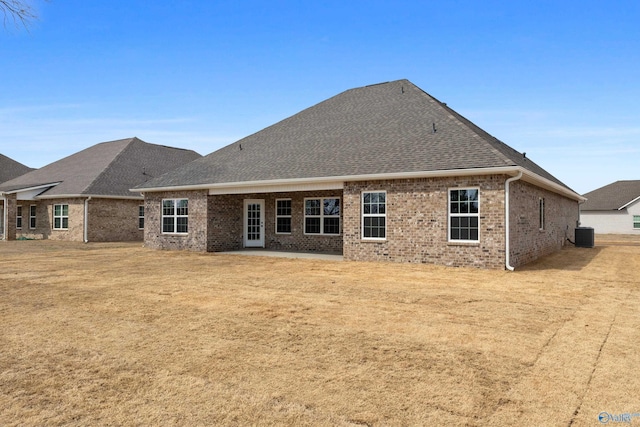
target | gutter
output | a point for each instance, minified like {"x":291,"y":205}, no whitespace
{"x":86,"y":219}
{"x":333,"y":181}
{"x":506,"y":219}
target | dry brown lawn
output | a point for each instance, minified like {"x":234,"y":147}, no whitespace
{"x":114,"y":334}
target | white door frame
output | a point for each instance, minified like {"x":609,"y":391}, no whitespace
{"x":255,"y":238}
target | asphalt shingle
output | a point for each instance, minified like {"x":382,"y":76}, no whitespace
{"x":391,"y":127}
{"x":10,"y":169}
{"x":106,"y":169}
{"x":612,"y":197}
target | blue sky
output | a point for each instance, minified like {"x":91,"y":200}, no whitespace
{"x":558,"y":80}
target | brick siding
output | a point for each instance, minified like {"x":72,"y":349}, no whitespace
{"x":417,"y":222}
{"x":528,"y":242}
{"x":114,"y":220}
{"x":195,"y":239}
{"x":110,"y":220}
{"x":226,"y":218}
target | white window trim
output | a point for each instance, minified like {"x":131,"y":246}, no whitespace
{"x":542,"y":221}
{"x":141,"y":217}
{"x":283,"y":216}
{"x":322,"y":216}
{"x":369,"y":215}
{"x":468,"y":215}
{"x":62,"y":216}
{"x":175,"y":217}
{"x":19,"y":217}
{"x":634,"y":222}
{"x":33,"y":217}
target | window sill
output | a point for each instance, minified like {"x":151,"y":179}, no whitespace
{"x":373,"y":240}
{"x":462,"y":243}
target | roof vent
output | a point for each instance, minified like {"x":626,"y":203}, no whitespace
{"x":434,"y":127}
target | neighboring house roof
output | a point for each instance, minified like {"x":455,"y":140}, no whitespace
{"x":10,"y":169}
{"x":384,"y":129}
{"x":107,"y":169}
{"x":615,"y":196}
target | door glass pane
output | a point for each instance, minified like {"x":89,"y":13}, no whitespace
{"x":253,"y":221}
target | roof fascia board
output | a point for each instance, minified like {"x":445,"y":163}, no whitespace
{"x":510,"y":170}
{"x":335,"y":182}
{"x":33,"y":188}
{"x":93,"y":196}
{"x":539,"y":181}
{"x":629,"y":204}
{"x":281,"y":188}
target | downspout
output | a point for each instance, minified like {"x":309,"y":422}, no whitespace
{"x":86,"y":219}
{"x":506,"y":217}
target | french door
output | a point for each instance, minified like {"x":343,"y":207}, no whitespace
{"x":254,"y":223}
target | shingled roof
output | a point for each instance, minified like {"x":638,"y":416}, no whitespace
{"x":105,"y":169}
{"x":10,"y":169}
{"x":388,"y":128}
{"x":612,"y":197}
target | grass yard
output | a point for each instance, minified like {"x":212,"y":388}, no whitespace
{"x":114,"y":334}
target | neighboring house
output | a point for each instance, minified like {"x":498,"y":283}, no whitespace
{"x":378,"y":173}
{"x":613,"y":209}
{"x":9,"y":169}
{"x":86,"y":197}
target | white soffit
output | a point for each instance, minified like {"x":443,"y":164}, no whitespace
{"x":30,"y":194}
{"x":277,"y":188}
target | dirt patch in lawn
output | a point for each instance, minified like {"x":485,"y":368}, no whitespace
{"x":114,"y":334}
{"x":617,"y":239}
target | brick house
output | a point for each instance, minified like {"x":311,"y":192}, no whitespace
{"x":9,"y":169}
{"x":85,"y":196}
{"x":383,"y":172}
{"x":613,"y":209}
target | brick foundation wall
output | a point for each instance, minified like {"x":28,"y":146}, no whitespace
{"x":528,"y":242}
{"x":226,"y":218}
{"x":195,"y":239}
{"x":417,"y":222}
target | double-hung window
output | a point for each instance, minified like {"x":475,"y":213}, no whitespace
{"x":141,"y":217}
{"x":283,"y":216}
{"x":322,"y":216}
{"x":636,"y":222}
{"x":18,"y":217}
{"x":374,"y":215}
{"x":60,"y":217}
{"x":464,"y":215}
{"x":175,"y":216}
{"x":32,"y":216}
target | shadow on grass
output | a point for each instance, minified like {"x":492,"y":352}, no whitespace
{"x":569,"y":258}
